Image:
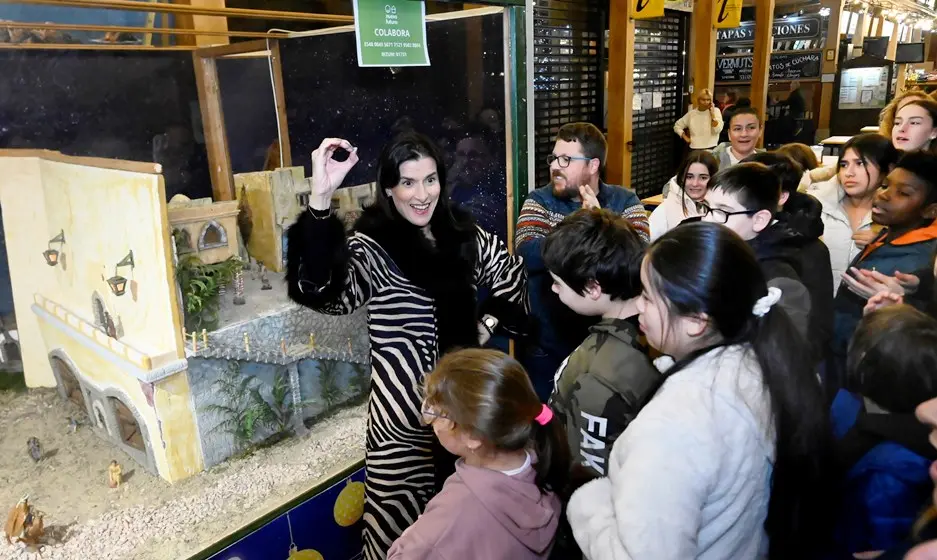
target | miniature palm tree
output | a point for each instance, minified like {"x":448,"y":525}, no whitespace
{"x":278,"y":412}
{"x":238,"y":409}
{"x":361,"y":380}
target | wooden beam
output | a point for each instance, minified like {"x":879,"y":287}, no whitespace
{"x":139,"y":6}
{"x":87,"y":47}
{"x":104,"y":163}
{"x":202,"y":22}
{"x":234,"y":48}
{"x":828,"y":65}
{"x":878,"y":24}
{"x":764,"y":20}
{"x":620,"y":92}
{"x":216,"y":140}
{"x":704,"y":47}
{"x":279,"y":95}
{"x":861,"y":26}
{"x":129,"y":29}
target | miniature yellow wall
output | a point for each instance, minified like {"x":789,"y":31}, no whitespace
{"x":170,"y":425}
{"x":261,"y":189}
{"x":104,"y":214}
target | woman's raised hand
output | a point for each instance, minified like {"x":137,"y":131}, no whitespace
{"x":328,"y":173}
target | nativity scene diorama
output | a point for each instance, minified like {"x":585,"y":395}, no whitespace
{"x":165,"y":325}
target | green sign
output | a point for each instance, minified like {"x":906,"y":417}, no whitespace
{"x":391,"y":33}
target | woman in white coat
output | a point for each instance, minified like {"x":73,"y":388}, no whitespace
{"x":686,"y":194}
{"x":847,"y":199}
{"x":701,"y":125}
{"x":729,"y":458}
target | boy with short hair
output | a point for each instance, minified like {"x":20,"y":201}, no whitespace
{"x":881,"y":448}
{"x":594,"y":258}
{"x":744,"y":126}
{"x":906,"y":206}
{"x":746,"y":198}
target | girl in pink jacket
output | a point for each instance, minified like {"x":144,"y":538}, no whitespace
{"x":501,"y":503}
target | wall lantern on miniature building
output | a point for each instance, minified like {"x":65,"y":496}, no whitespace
{"x":50,"y":254}
{"x":118,"y":283}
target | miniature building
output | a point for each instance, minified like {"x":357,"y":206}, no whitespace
{"x":101,"y":320}
{"x":205,"y":227}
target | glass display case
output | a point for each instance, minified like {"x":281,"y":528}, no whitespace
{"x":179,"y":404}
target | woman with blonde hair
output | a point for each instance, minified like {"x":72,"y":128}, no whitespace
{"x":701,"y":125}
{"x":886,"y":119}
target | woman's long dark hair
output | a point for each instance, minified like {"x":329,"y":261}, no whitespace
{"x":705,"y":268}
{"x":408,"y":146}
{"x":871,"y":148}
{"x":696,"y":156}
{"x":489,"y":393}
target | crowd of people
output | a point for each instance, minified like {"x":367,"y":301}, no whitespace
{"x":734,"y":376}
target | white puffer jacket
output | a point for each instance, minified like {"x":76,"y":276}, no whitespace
{"x":837,"y":231}
{"x":671,"y":212}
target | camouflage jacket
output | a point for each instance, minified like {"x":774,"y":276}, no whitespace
{"x":600,"y":388}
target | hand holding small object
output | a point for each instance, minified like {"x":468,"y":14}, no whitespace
{"x":881,"y":300}
{"x":328,"y":173}
{"x":864,"y":237}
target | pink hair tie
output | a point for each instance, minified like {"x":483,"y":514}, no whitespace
{"x":545,"y":416}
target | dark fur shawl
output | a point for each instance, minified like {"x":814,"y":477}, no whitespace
{"x":445,"y":270}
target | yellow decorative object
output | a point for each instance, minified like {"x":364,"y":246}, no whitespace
{"x":306,"y":554}
{"x":349,"y":507}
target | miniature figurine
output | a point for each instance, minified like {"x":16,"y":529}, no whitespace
{"x":23,"y":524}
{"x":264,"y":281}
{"x":239,"y":288}
{"x":312,"y":340}
{"x":73,"y":425}
{"x":35,"y":450}
{"x":283,"y":346}
{"x":114,"y":476}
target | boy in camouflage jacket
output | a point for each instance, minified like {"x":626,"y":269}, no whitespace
{"x":594,"y":258}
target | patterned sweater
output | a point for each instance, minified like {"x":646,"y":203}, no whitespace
{"x":561,"y":331}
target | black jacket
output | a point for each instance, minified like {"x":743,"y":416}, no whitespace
{"x":796,"y":261}
{"x":802,"y":214}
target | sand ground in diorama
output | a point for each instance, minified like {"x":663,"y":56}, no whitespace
{"x":148,"y":518}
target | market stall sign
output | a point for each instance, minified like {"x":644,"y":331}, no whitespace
{"x":727,"y":14}
{"x":805,"y":27}
{"x":391,"y":33}
{"x":784,"y":66}
{"x":646,"y":9}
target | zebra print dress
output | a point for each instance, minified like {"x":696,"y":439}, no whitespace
{"x":420,"y":304}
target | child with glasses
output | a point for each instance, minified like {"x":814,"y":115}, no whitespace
{"x":501,"y":503}
{"x":746,"y":198}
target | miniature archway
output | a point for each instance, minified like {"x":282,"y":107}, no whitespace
{"x":212,"y":235}
{"x":68,"y":384}
{"x":128,"y":427}
{"x":97,"y":309}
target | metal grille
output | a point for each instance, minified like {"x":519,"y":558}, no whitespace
{"x":659,"y":64}
{"x":567,"y":81}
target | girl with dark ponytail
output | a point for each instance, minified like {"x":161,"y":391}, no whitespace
{"x":502,"y":502}
{"x":729,"y":458}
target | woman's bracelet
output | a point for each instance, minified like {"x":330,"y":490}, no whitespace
{"x":320,"y":214}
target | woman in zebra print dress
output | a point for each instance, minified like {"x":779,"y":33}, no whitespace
{"x":415,"y":260}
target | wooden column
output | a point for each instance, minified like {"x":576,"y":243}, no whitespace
{"x":703,"y":51}
{"x":620,"y":92}
{"x":202,"y":23}
{"x":764,"y":20}
{"x":830,"y":58}
{"x":892,"y":42}
{"x":878,"y":24}
{"x":216,"y":140}
{"x":861,"y":27}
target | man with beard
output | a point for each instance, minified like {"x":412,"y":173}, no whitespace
{"x":578,"y":158}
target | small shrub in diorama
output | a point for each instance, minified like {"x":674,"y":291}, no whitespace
{"x":360,"y":381}
{"x":200,"y":284}
{"x":329,"y":390}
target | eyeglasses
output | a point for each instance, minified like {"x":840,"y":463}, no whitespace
{"x":564,"y":160}
{"x":721,"y":216}
{"x":429,"y":415}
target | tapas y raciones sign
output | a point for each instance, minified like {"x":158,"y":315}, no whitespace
{"x":804,"y":27}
